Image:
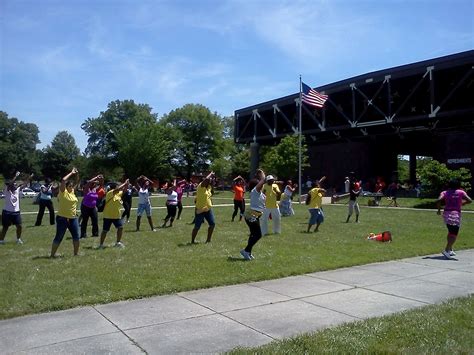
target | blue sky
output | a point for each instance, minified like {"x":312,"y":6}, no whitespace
{"x":64,"y":61}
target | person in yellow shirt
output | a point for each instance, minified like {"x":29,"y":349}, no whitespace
{"x":272,"y":195}
{"x":314,"y":200}
{"x":113,"y":204}
{"x":66,"y":218}
{"x":204,"y":208}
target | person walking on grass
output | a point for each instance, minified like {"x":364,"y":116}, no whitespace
{"x":11,"y":210}
{"x":113,"y":204}
{"x":253,"y":213}
{"x":67,"y":213}
{"x":354,"y":192}
{"x":171,"y":204}
{"x":144,"y":204}
{"x":314,"y":200}
{"x":204,"y":208}
{"x":453,"y":199}
{"x":272,"y":193}
{"x":238,"y":187}
{"x":89,"y":206}
{"x":46,"y":201}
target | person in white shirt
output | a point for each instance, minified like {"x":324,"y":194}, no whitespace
{"x":11,"y":210}
{"x":144,"y":204}
{"x":171,"y":204}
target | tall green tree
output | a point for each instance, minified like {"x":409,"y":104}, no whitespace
{"x":59,"y":155}
{"x":197,"y":138}
{"x":145,"y":150}
{"x":282,"y":160}
{"x":18,"y":142}
{"x":103,"y":130}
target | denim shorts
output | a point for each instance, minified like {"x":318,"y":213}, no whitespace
{"x":118,"y":223}
{"x":9,"y":218}
{"x":317,"y":216}
{"x":208,"y":216}
{"x":144,"y":207}
{"x":63,"y":224}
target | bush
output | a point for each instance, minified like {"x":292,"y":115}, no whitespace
{"x":435,"y":176}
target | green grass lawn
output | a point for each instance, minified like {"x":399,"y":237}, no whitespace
{"x":164,"y":262}
{"x":439,"y":329}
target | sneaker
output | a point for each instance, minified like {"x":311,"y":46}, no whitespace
{"x":119,"y":245}
{"x":447,"y":254}
{"x":101,"y":246}
{"x":452,"y":253}
{"x":245,"y":254}
{"x":153,"y":230}
{"x":2,"y":242}
{"x":251,"y":257}
{"x":19,"y":241}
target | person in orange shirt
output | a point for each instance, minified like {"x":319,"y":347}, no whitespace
{"x":238,"y":186}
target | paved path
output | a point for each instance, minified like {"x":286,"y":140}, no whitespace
{"x":219,"y":319}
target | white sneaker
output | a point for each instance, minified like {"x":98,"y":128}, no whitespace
{"x":251,"y":257}
{"x":245,"y":254}
{"x":119,"y":245}
{"x":452,"y":253}
{"x":447,"y":254}
{"x":19,"y":241}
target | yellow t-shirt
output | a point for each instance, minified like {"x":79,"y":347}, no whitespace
{"x":113,"y":204}
{"x":67,"y":206}
{"x":203,"y":197}
{"x":271,"y":193}
{"x":316,"y":198}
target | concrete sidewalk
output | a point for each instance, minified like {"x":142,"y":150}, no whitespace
{"x":252,"y":314}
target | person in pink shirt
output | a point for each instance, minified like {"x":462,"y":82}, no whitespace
{"x":453,"y":198}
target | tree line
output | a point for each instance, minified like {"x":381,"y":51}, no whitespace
{"x":128,"y":139}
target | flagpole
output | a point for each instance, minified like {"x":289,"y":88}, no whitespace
{"x":299,"y":144}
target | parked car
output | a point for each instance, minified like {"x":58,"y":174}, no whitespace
{"x":27,"y":192}
{"x":35,"y":186}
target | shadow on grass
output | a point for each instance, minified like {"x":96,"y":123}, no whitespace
{"x":439,"y":257}
{"x":47,"y":257}
{"x":189,"y":244}
{"x":233,"y":259}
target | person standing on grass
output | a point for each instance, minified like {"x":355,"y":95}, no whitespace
{"x":171,"y":205}
{"x":204,"y":208}
{"x":144,"y":204}
{"x":45,"y":201}
{"x":354,"y":192}
{"x":314,"y":200}
{"x":127,"y":202}
{"x":453,"y":199}
{"x":253,"y":214}
{"x":67,"y":213}
{"x":89,"y":206}
{"x":286,"y":205}
{"x":180,"y":187}
{"x":238,"y":187}
{"x":11,"y":210}
{"x":272,"y":193}
{"x":113,"y":204}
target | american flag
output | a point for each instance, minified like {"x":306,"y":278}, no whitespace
{"x":312,"y":97}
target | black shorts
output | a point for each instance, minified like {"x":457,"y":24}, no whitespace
{"x":9,"y":218}
{"x":453,"y":229}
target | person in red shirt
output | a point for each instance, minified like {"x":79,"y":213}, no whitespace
{"x":238,"y":187}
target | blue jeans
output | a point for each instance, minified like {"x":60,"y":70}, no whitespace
{"x":63,"y":224}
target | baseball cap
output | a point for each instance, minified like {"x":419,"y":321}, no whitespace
{"x":269,"y":177}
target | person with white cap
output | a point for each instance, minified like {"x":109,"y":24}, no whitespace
{"x":272,"y":193}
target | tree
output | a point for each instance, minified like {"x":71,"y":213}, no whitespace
{"x":150,"y":158}
{"x":196,"y":136}
{"x":18,"y":142}
{"x":58,"y":157}
{"x":435,"y":176}
{"x":119,"y":116}
{"x":282,"y":160}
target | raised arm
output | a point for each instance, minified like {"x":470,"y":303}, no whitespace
{"x":261,"y":179}
{"x":65,"y":178}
